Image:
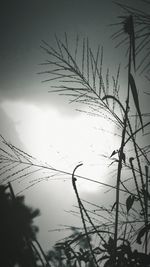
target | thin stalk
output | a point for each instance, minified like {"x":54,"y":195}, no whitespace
{"x":125,"y":230}
{"x":146,"y":210}
{"x":34,"y":249}
{"x":66,"y":173}
{"x":138,"y":161}
{"x":136,"y":184}
{"x":42,"y":252}
{"x":82,"y":215}
{"x":120,"y":158}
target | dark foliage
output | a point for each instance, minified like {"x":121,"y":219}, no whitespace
{"x":16,"y":231}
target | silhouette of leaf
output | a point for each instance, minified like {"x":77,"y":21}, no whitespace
{"x":113,"y":153}
{"x":116,"y":160}
{"x":129,"y":202}
{"x":113,"y":206}
{"x":142,"y":233}
{"x":135,"y":96}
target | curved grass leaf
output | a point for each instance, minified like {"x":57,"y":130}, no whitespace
{"x":135,"y":97}
{"x":114,"y":153}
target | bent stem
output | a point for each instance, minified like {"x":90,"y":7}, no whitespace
{"x":82,"y":215}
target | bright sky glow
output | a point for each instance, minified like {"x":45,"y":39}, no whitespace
{"x":64,"y":141}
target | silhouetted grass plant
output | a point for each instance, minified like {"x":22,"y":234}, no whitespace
{"x":84,"y":82}
{"x":122,"y":230}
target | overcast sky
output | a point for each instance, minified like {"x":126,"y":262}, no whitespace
{"x":42,"y":124}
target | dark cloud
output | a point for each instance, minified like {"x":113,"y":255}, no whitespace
{"x":24,"y":24}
